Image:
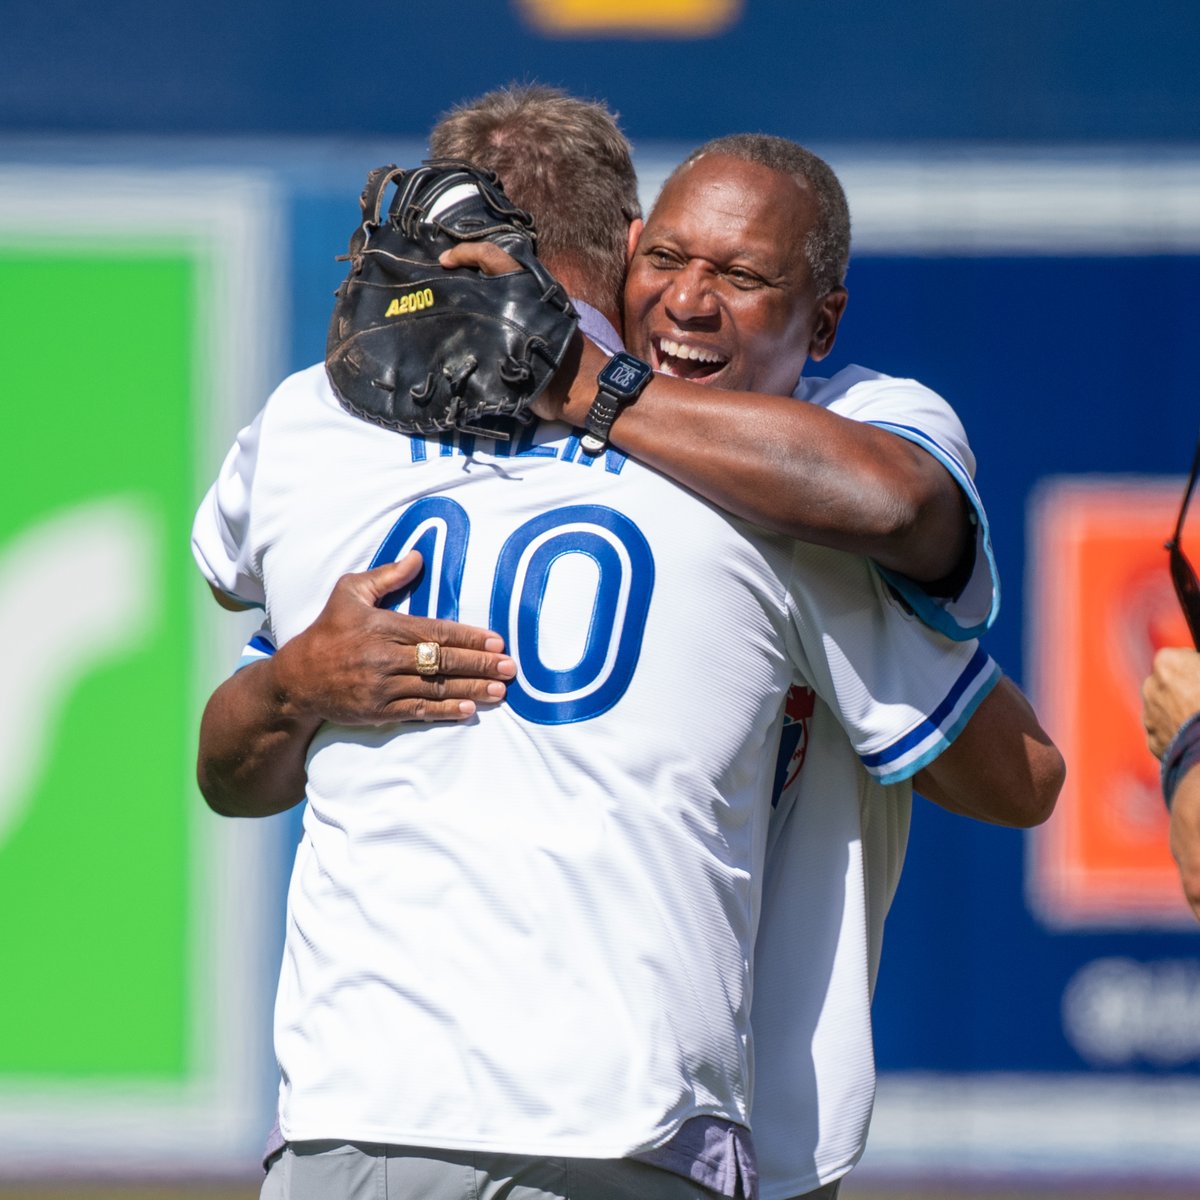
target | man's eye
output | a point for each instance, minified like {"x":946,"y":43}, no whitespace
{"x":743,"y":279}
{"x":663,"y":259}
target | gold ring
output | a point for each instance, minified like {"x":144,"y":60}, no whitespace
{"x":429,"y":658}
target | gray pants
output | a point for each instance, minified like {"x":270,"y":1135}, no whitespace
{"x":365,"y":1171}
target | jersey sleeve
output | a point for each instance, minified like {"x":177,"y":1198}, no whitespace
{"x":914,"y":412}
{"x":901,"y":690}
{"x":260,"y":646}
{"x":221,"y":531}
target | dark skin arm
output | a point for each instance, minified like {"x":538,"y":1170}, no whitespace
{"x":793,"y":468}
{"x":1002,"y":768}
{"x":355,"y":665}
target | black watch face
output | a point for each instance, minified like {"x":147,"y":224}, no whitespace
{"x":624,"y":375}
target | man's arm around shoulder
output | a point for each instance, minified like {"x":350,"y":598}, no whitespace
{"x":794,"y":468}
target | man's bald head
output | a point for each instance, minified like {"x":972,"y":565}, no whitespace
{"x":566,"y":162}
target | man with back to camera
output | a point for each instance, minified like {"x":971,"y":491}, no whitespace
{"x":543,"y":446}
{"x":801,"y":470}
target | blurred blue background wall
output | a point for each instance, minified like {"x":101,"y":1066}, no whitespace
{"x":1003,"y":70}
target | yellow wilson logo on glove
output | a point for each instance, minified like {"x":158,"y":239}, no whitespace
{"x":410,"y":302}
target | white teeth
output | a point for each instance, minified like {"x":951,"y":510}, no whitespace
{"x":679,"y":350}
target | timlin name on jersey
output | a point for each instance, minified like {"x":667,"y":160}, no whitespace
{"x":452,"y":443}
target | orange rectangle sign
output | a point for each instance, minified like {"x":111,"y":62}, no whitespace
{"x":1101,"y":603}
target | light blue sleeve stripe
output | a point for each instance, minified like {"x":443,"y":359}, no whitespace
{"x":977,"y":665}
{"x":260,"y":646}
{"x":937,"y":614}
{"x":979,"y":677}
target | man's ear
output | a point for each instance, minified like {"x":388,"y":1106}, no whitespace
{"x":635,"y":232}
{"x":828,"y":316}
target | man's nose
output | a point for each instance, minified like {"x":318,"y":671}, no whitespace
{"x":690,"y":297}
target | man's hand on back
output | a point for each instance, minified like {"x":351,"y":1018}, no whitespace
{"x":354,"y":665}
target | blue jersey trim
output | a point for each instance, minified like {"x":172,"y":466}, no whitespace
{"x":910,"y":769}
{"x":932,"y":724}
{"x":256,"y":649}
{"x":926,"y":607}
{"x":262,"y":644}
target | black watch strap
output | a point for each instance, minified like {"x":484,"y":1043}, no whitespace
{"x":620,"y":383}
{"x":598,"y":424}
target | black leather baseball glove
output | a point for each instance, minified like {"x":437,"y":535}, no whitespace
{"x":420,"y":349}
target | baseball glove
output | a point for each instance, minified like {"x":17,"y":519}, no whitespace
{"x":420,"y":349}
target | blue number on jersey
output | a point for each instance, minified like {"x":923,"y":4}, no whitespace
{"x":440,"y":529}
{"x":599,"y":679}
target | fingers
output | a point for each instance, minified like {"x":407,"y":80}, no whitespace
{"x":443,"y":700}
{"x":462,"y":664}
{"x":465,"y":649}
{"x":452,"y":635}
{"x":385,"y":697}
{"x":371,"y":586}
{"x":486,"y":257}
{"x":388,"y":649}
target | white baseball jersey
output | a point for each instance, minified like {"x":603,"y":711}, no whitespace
{"x":914,"y":412}
{"x":532,"y":932}
{"x":836,"y":846}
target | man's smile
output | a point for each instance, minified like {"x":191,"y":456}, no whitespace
{"x":685,"y":360}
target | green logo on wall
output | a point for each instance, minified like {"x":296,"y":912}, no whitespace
{"x":138,"y":938}
{"x":94,"y":572}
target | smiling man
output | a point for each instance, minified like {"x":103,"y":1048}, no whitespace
{"x":531,"y":937}
{"x":723,"y":288}
{"x":736,"y":282}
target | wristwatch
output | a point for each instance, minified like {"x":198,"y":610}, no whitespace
{"x":620,"y":383}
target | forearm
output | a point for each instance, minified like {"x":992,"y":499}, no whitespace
{"x":253,"y":746}
{"x":794,"y":468}
{"x":1002,"y":768}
